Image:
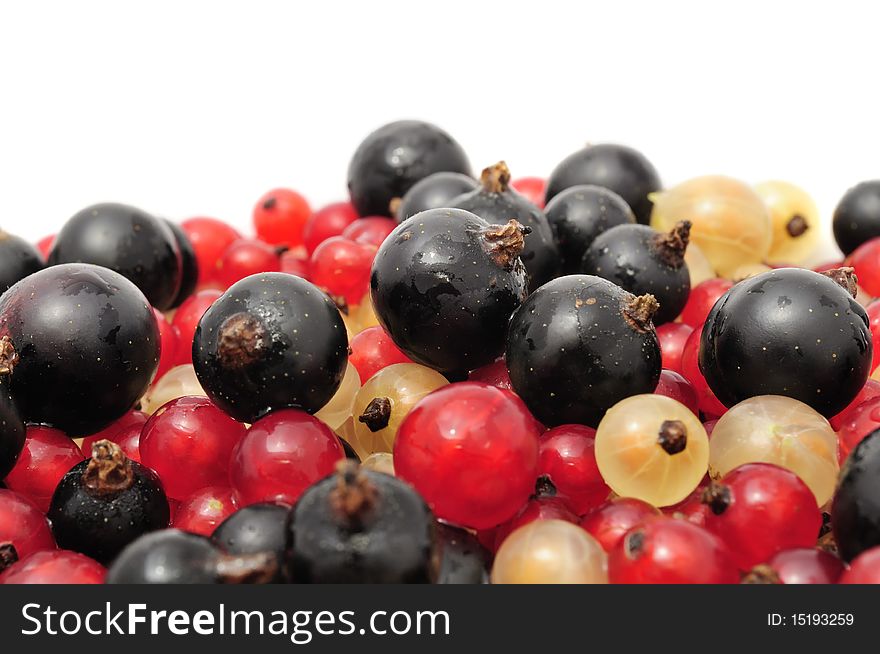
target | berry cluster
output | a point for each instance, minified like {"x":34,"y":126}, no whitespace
{"x":448,"y":379}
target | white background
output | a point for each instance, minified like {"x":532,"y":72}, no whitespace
{"x":197,"y":108}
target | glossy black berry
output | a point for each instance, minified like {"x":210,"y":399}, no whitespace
{"x":272,"y":341}
{"x":579,"y":345}
{"x":857,"y":216}
{"x":433,"y":192}
{"x":578,"y":215}
{"x":392,"y":159}
{"x":789,"y":332}
{"x":642,"y":260}
{"x":261,"y":527}
{"x":12,"y":428}
{"x":617,"y":167}
{"x":171,"y":556}
{"x":18,"y":259}
{"x":189,"y":265}
{"x":496,"y":203}
{"x":444,"y":284}
{"x":105,"y":503}
{"x":360,"y":526}
{"x":462,"y":559}
{"x":855,"y":513}
{"x":83,"y":346}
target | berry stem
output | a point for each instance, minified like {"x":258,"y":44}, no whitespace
{"x":504,"y":243}
{"x":633,"y":544}
{"x":241,"y":341}
{"x":8,"y":555}
{"x":544,"y":487}
{"x":109,"y":471}
{"x":8,"y":356}
{"x":845,"y":277}
{"x":259,"y":568}
{"x":638,"y":312}
{"x":716,"y":497}
{"x":354,"y":496}
{"x":377,"y":414}
{"x":761,"y":574}
{"x":673,"y":436}
{"x":672,"y":246}
{"x":496,"y":179}
{"x":796,"y":226}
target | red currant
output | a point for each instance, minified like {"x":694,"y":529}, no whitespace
{"x":342,"y":268}
{"x":609,"y":523}
{"x":690,"y":368}
{"x":690,"y":508}
{"x":537,"y":508}
{"x":293,"y":263}
{"x":210,"y":238}
{"x":864,"y":569}
{"x":669,"y":551}
{"x":44,"y":245}
{"x":186,"y":319}
{"x":168,"y":345}
{"x":329,"y":221}
{"x":471,"y":450}
{"x":494,"y":374}
{"x":202,"y":511}
{"x":701,"y":300}
{"x":802,"y":565}
{"x":120,"y":432}
{"x":246,"y":257}
{"x":533,"y":188}
{"x":23,"y":524}
{"x":280,"y":217}
{"x":672,"y":337}
{"x":188,"y":443}
{"x":54,"y":567}
{"x":866,"y":261}
{"x":869,"y":391}
{"x":873,"y":311}
{"x":566,"y":457}
{"x":673,"y":385}
{"x":858,"y":423}
{"x":283,"y":454}
{"x":47,"y":456}
{"x":371,"y":350}
{"x":372,"y":230}
{"x":759,"y":509}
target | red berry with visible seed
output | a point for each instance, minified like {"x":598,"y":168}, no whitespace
{"x":244,"y":258}
{"x":54,"y":567}
{"x":47,"y":456}
{"x":471,"y":450}
{"x":372,"y":230}
{"x":701,"y":300}
{"x":609,"y":523}
{"x":690,"y":368}
{"x":202,"y":511}
{"x":327,"y":222}
{"x":672,"y":337}
{"x":537,"y":508}
{"x":568,"y":460}
{"x":864,"y":569}
{"x":674,"y":385}
{"x":280,"y":217}
{"x":186,"y":319}
{"x":283,"y":454}
{"x":371,"y":350}
{"x":342,"y":268}
{"x":188,"y":443}
{"x":210,"y":238}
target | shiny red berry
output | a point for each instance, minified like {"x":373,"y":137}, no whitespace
{"x":471,"y":450}
{"x":342,"y":268}
{"x":609,"y":523}
{"x":188,"y":443}
{"x":294,"y":263}
{"x":702,"y":298}
{"x":670,"y":551}
{"x":864,"y":569}
{"x":23,"y":524}
{"x":54,"y":567}
{"x":858,"y":423}
{"x":186,"y":319}
{"x":280,"y":217}
{"x":283,"y":454}
{"x":869,"y":391}
{"x":802,"y":565}
{"x":168,"y":345}
{"x":372,"y":230}
{"x":44,"y":245}
{"x":326,"y":222}
{"x":759,"y":509}
{"x":494,"y":374}
{"x":537,"y":508}
{"x":690,"y":508}
{"x":47,"y":456}
{"x":121,"y":432}
{"x":204,"y":510}
{"x":567,"y":459}
{"x":866,"y":261}
{"x":244,"y":258}
{"x":690,"y":368}
{"x":533,"y":188}
{"x":674,"y":385}
{"x":210,"y":238}
{"x":672,"y":337}
{"x":371,"y":350}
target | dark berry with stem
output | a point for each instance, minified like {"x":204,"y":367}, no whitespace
{"x":433,"y":192}
{"x":18,"y":259}
{"x":857,"y":216}
{"x":462,"y":559}
{"x":261,"y":527}
{"x":855,"y":513}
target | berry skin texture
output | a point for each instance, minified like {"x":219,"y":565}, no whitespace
{"x":580,"y":344}
{"x":189,"y":264}
{"x":494,"y":374}
{"x":444,"y":284}
{"x":788,"y":332}
{"x":360,"y":526}
{"x":865,"y":569}
{"x":202,"y":511}
{"x":801,"y":565}
{"x":257,"y":528}
{"x":857,"y":424}
{"x":578,"y":215}
{"x":106,"y":502}
{"x":83,"y":336}
{"x":760,"y":509}
{"x":186,"y":320}
{"x":47,"y":456}
{"x":690,"y":370}
{"x":13,"y":433}
{"x":390,"y":161}
{"x":567,"y":458}
{"x":18,"y":259}
{"x":282,"y":455}
{"x":271,"y":341}
{"x":129,"y":241}
{"x":372,"y":230}
{"x":675,"y":386}
{"x":243,"y":258}
{"x":209,"y":238}
{"x":702,"y":298}
{"x":23,"y":525}
{"x":616,"y":167}
{"x":641,"y":260}
{"x":132,"y":420}
{"x":855,"y":513}
{"x":857,"y":216}
{"x":372,"y":350}
{"x":550,"y":552}
{"x":168,"y":340}
{"x":433,"y":192}
{"x":188,"y":443}
{"x":327,"y":222}
{"x":610,"y":522}
{"x":471,"y":450}
{"x":669,"y":551}
{"x":280,"y":217}
{"x":341,"y":267}
{"x":54,"y":567}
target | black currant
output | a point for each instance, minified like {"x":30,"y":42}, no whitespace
{"x":496,"y":203}
{"x":261,"y":527}
{"x":462,"y":559}
{"x":83,"y":346}
{"x":106,"y":502}
{"x":855,"y":512}
{"x":642,"y":260}
{"x":18,"y":259}
{"x":790,"y":332}
{"x":578,"y":215}
{"x":444,"y":284}
{"x":12,"y":428}
{"x":272,"y":341}
{"x":433,"y":192}
{"x":361,"y":526}
{"x":393,"y":158}
{"x":617,"y":167}
{"x":171,"y":556}
{"x":189,"y":265}
{"x":579,"y":345}
{"x":127,"y":240}
{"x":857,"y":216}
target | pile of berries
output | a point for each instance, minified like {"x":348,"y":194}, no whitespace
{"x":448,"y":379}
